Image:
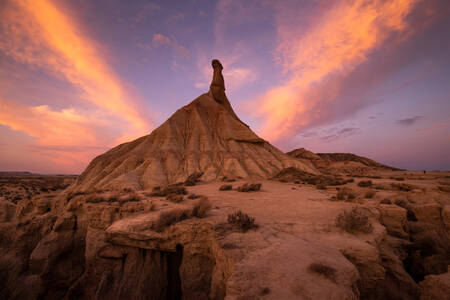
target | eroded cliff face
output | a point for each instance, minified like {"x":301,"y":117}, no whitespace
{"x":98,"y":251}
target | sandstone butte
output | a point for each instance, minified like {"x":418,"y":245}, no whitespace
{"x":165,"y":217}
{"x":204,"y":136}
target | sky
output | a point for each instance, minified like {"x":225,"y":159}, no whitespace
{"x":370,"y":77}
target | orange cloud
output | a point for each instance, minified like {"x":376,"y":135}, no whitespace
{"x":39,"y":33}
{"x":64,"y":128}
{"x":340,"y":41}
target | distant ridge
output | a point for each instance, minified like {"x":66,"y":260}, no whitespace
{"x":339,"y":160}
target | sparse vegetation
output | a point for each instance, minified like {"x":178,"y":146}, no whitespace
{"x":242,"y":221}
{"x":369,"y":194}
{"x":321,"y":187}
{"x":365,"y":183}
{"x":201,"y":207}
{"x":445,"y":189}
{"x":346,"y":194}
{"x":354,"y":221}
{"x":171,"y":189}
{"x":193,"y":196}
{"x":292,"y":174}
{"x":253,"y":187}
{"x":226,"y":187}
{"x":175,"y":198}
{"x":324,"y":270}
{"x":386,"y":201}
{"x":404,"y":187}
{"x":193,"y":179}
{"x":168,"y":218}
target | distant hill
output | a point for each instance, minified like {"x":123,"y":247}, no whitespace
{"x":16,"y":173}
{"x":343,"y":161}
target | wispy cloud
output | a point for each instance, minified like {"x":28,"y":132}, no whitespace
{"x":162,"y":41}
{"x":409,"y":121}
{"x":333,"y":44}
{"x":41,"y":34}
{"x":340,"y":133}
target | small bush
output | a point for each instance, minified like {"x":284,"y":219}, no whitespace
{"x":345,"y":194}
{"x":366,"y":183}
{"x":404,"y":187}
{"x":253,"y":187}
{"x":193,"y":196}
{"x":242,"y":221}
{"x":193,"y":179}
{"x":201,"y":207}
{"x":386,"y":201}
{"x":171,"y":189}
{"x":168,"y":218}
{"x":354,"y":221}
{"x":175,"y":198}
{"x":369,"y":194}
{"x":321,"y":269}
{"x":226,"y":187}
{"x":321,"y":187}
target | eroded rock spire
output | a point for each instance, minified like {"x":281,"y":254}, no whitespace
{"x":217,"y":87}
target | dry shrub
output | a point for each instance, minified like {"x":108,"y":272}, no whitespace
{"x":369,"y":194}
{"x":193,"y":179}
{"x":241,"y":220}
{"x":404,"y":187}
{"x":171,"y":189}
{"x":175,"y":198}
{"x":228,"y":179}
{"x":365,"y":183}
{"x":168,"y":218}
{"x":321,"y":269}
{"x":445,"y":189}
{"x":321,"y":187}
{"x":226,"y":187}
{"x":130,"y":197}
{"x":253,"y":187}
{"x":354,"y":221}
{"x":386,"y":201}
{"x":292,"y":174}
{"x":201,"y":207}
{"x":346,"y":194}
{"x":193,"y":196}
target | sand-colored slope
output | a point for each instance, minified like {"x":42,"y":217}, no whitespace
{"x":204,"y":136}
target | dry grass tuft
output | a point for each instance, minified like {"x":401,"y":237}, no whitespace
{"x":226,"y":187}
{"x":366,"y":183}
{"x":171,"y":189}
{"x":404,"y":187}
{"x":253,"y":187}
{"x":369,"y":194}
{"x":346,"y":194}
{"x":386,"y":201}
{"x":321,"y":269}
{"x":241,"y":220}
{"x":175,"y":198}
{"x":201,"y":207}
{"x":354,"y":221}
{"x":168,"y":218}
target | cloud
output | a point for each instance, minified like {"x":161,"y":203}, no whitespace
{"x":408,"y":121}
{"x":42,"y":35}
{"x":160,"y":40}
{"x":340,"y":133}
{"x":145,"y":11}
{"x":333,"y":43}
{"x":64,"y":128}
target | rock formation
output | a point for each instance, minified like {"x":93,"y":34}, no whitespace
{"x":204,"y":136}
{"x":346,"y":162}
